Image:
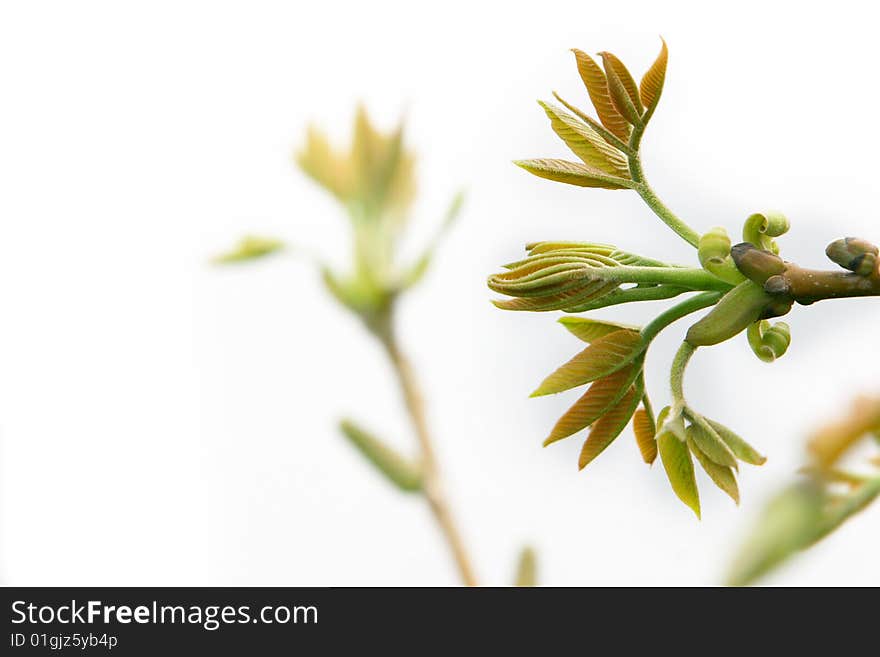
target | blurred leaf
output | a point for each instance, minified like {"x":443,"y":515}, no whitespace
{"x":573,"y":173}
{"x":398,"y":470}
{"x":602,"y":395}
{"x":622,"y":89}
{"x":831,"y":441}
{"x":740,"y":448}
{"x":723,"y":476}
{"x":331,"y":170}
{"x":679,"y":468}
{"x":645,"y":429}
{"x":249,"y":248}
{"x":601,"y":358}
{"x":591,"y":329}
{"x":526,"y":568}
{"x":609,"y":426}
{"x":594,"y":80}
{"x":585,"y":143}
{"x":652,"y":83}
{"x":414,"y":274}
{"x":788,"y":524}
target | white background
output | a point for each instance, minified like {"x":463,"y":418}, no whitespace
{"x":166,"y":422}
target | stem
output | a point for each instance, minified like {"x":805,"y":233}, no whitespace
{"x":630,"y":295}
{"x":704,"y":300}
{"x":676,"y":376}
{"x":695,"y":279}
{"x":637,"y":174}
{"x":433,"y":489}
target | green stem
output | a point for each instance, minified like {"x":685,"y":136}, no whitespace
{"x":698,"y":302}
{"x":692,"y":278}
{"x":676,"y":376}
{"x":637,"y":174}
{"x":632,"y":295}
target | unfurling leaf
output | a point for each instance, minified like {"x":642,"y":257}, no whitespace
{"x":250,"y":248}
{"x":723,"y":476}
{"x":740,"y":448}
{"x":609,"y":426}
{"x":622,"y":88}
{"x":602,"y":395}
{"x":769,"y":341}
{"x":585,"y":143}
{"x":601,"y":358}
{"x":652,"y":82}
{"x":591,"y":329}
{"x":573,"y":173}
{"x":597,"y":86}
{"x":404,"y":474}
{"x":676,"y":458}
{"x":645,"y":430}
{"x":526,"y":568}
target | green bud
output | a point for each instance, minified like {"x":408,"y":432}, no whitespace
{"x":760,"y":227}
{"x":742,"y":306}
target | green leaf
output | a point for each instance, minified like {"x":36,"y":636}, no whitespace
{"x":603,"y":394}
{"x":710,"y":443}
{"x":585,"y":143}
{"x":741,"y":449}
{"x":250,"y":247}
{"x":601,"y":358}
{"x":597,"y":86}
{"x":591,"y":329}
{"x":526,"y":568}
{"x":679,"y":468}
{"x":723,"y":476}
{"x":652,"y":82}
{"x":609,"y":427}
{"x":399,"y":471}
{"x":573,"y":173}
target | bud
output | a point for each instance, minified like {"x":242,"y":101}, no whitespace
{"x":855,"y":254}
{"x":756,"y":264}
{"x":714,"y":254}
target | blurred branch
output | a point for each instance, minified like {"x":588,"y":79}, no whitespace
{"x":806,"y":512}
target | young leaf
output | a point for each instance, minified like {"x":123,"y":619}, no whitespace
{"x":398,"y":470}
{"x":249,"y":248}
{"x":723,"y":476}
{"x":645,"y":430}
{"x":622,"y":88}
{"x":679,"y":468}
{"x":741,"y":449}
{"x":601,"y":358}
{"x":526,"y":568}
{"x":602,"y":395}
{"x":609,"y":427}
{"x":585,"y":143}
{"x":652,"y":82}
{"x":591,"y":329}
{"x":710,"y":443}
{"x":573,"y":173}
{"x":597,"y":86}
